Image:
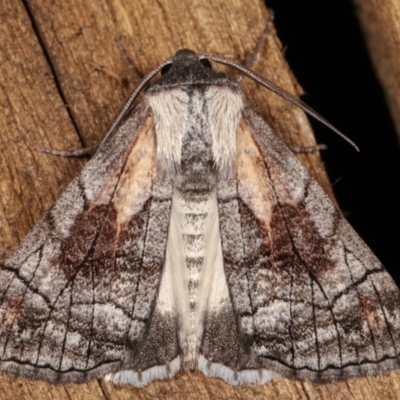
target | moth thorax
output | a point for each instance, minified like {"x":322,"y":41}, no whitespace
{"x":224,"y":109}
{"x":173,"y":117}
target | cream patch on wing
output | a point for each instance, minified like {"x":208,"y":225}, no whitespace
{"x":136,"y":180}
{"x":108,"y":188}
{"x":254,"y":184}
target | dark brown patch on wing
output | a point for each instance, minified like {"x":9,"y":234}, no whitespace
{"x":75,"y":249}
{"x":295,"y":237}
{"x":96,"y":239}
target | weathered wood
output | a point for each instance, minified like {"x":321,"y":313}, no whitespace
{"x":380,"y":21}
{"x":62,"y":79}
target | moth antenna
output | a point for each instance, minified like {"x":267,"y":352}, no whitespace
{"x":280,"y":92}
{"x":127,"y":105}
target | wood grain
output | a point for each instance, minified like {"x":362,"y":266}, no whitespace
{"x":380,"y":21}
{"x":62,"y":79}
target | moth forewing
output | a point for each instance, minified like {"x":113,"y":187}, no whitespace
{"x":195,"y":239}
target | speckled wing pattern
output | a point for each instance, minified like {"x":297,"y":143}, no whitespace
{"x":195,"y":239}
{"x":78,"y":294}
{"x":309,"y":298}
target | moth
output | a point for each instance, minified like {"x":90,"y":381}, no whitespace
{"x":194,"y":239}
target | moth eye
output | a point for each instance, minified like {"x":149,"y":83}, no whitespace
{"x":165,"y":69}
{"x":205,"y":63}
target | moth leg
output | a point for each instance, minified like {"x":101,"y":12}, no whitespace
{"x":253,"y":56}
{"x":307,"y":149}
{"x":85,"y":151}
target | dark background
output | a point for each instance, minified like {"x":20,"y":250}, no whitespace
{"x":326,"y":50}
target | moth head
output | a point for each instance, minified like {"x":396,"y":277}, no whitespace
{"x":185,"y":57}
{"x":187,"y":68}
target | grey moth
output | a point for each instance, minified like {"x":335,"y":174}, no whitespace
{"x":194,"y":239}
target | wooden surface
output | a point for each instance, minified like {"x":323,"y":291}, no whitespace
{"x":62,"y":79}
{"x":380,"y":21}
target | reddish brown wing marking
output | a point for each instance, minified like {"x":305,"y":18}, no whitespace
{"x":80,"y":289}
{"x":311,"y":299}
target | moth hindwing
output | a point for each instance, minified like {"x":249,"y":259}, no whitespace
{"x":195,"y":239}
